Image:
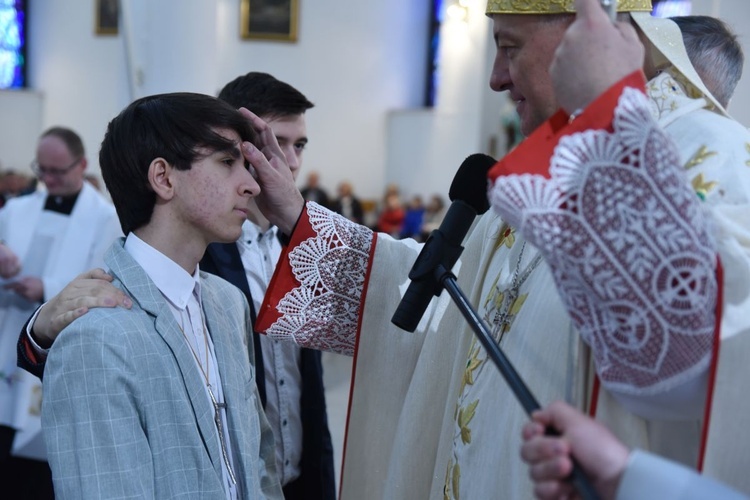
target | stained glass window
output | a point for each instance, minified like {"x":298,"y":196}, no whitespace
{"x":12,"y":44}
{"x":436,"y":19}
{"x":670,"y":8}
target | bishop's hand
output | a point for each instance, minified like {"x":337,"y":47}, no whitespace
{"x":279,"y":199}
{"x":593,"y":55}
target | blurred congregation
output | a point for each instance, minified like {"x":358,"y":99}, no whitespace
{"x":381,"y":141}
{"x":396,"y":214}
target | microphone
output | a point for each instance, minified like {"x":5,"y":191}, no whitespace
{"x":468,"y":192}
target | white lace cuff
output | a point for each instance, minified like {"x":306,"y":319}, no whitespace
{"x":322,"y":309}
{"x":629,"y":246}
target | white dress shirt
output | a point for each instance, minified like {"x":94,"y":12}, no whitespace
{"x":259,"y":252}
{"x":182,"y":292}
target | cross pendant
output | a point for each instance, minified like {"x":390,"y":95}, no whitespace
{"x":220,"y":428}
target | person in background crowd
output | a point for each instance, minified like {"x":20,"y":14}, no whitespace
{"x":13,"y":184}
{"x":312,"y":191}
{"x":391,"y":218}
{"x":347,"y":204}
{"x":413,"y":217}
{"x":433,"y":215}
{"x":46,"y":239}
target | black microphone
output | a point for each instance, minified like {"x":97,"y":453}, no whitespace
{"x":468,"y":193}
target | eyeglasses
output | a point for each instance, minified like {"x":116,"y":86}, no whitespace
{"x":40,"y":170}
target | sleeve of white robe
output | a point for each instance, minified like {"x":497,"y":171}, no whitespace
{"x":633,"y":250}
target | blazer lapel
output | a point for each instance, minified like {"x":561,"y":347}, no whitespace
{"x":145,"y":294}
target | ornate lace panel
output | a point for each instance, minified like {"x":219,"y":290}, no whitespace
{"x":323,"y":311}
{"x":629,"y":246}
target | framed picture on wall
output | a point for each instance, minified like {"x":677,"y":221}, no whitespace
{"x":269,"y":19}
{"x":106,"y":17}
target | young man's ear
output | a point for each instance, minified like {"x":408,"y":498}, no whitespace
{"x":160,"y":178}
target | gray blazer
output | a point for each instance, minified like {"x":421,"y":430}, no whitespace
{"x":125,"y":413}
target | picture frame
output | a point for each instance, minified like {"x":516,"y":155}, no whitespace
{"x":275,"y":20}
{"x":106,"y":17}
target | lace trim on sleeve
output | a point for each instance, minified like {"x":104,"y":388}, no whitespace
{"x":629,"y":247}
{"x":323,"y":311}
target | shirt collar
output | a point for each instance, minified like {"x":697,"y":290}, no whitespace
{"x":61,"y":204}
{"x":251,"y":232}
{"x":176,"y":284}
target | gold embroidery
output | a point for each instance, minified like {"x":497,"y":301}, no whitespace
{"x":699,"y":157}
{"x":507,"y":237}
{"x":509,"y":302}
{"x":701,"y":187}
{"x":447,"y":483}
{"x":452,"y":481}
{"x":462,"y":417}
{"x":471,"y":367}
{"x":664,"y":92}
{"x":456,"y":480}
{"x":465,"y":415}
{"x":556,"y":6}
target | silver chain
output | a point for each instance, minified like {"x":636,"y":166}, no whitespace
{"x":502,"y":316}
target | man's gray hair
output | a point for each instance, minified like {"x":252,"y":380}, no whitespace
{"x":715,"y":53}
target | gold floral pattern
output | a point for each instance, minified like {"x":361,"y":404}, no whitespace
{"x":556,"y":6}
{"x":702,"y":187}
{"x":665,"y":91}
{"x":507,"y":238}
{"x":699,"y":157}
{"x":452,"y":481}
{"x":466,"y":407}
{"x":463,"y":415}
{"x":471,"y":366}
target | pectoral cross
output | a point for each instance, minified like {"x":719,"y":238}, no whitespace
{"x":220,"y":428}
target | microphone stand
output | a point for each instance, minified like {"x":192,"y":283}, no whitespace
{"x":447,"y":279}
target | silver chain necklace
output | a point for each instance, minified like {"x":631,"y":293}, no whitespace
{"x":504,"y":315}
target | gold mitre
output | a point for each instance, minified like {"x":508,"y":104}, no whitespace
{"x":556,"y":6}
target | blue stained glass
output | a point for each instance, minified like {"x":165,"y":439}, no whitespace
{"x":433,"y":69}
{"x":669,"y":8}
{"x":12,"y":44}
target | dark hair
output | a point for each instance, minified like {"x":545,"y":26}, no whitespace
{"x":714,"y":52}
{"x":265,"y":96}
{"x":169,"y":126}
{"x":72,"y":140}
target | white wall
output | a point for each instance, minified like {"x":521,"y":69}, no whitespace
{"x":81,"y":76}
{"x":425,"y":147}
{"x":361,"y":63}
{"x":20,"y":119}
{"x":356,"y":61}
